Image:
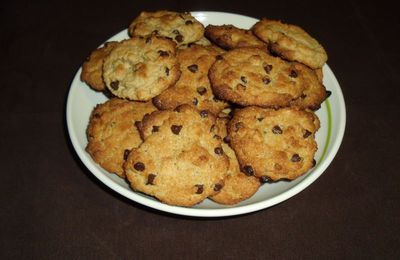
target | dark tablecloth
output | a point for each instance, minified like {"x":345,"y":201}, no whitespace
{"x":53,"y":207}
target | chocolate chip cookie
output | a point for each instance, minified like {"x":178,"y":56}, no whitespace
{"x":141,"y":68}
{"x":249,"y":76}
{"x":112,"y":132}
{"x":183,"y":28}
{"x":291,"y":42}
{"x":274,"y":144}
{"x":92,"y":68}
{"x":180,"y":161}
{"x":238,"y":185}
{"x":230,"y":37}
{"x":193,"y":87}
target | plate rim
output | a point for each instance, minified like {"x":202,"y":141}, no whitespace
{"x":333,"y":148}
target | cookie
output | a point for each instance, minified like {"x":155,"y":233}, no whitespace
{"x":92,"y":68}
{"x":314,"y":94}
{"x":274,"y":144}
{"x":229,"y":37}
{"x":141,"y":68}
{"x":180,"y":162}
{"x":320,"y":75}
{"x":238,"y":186}
{"x":193,"y":87}
{"x":183,"y":28}
{"x":250,"y":76}
{"x":112,"y":132}
{"x":291,"y":42}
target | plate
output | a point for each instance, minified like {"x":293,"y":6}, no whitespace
{"x":332,"y":114}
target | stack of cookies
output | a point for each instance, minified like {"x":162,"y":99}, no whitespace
{"x":197,"y":113}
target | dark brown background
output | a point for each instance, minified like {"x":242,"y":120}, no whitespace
{"x":52,"y":206}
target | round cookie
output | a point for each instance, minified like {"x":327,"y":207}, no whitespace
{"x":92,"y":68}
{"x":230,"y":37}
{"x":112,"y":132}
{"x":291,"y":42}
{"x":179,"y":162}
{"x":183,"y":28}
{"x":314,"y":94}
{"x":193,"y":87}
{"x":141,"y":68}
{"x":274,"y":144}
{"x":238,"y":186}
{"x":250,"y":76}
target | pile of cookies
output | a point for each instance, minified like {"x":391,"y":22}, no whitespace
{"x":213,"y":112}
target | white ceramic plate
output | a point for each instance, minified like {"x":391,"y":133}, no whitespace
{"x":332,"y":114}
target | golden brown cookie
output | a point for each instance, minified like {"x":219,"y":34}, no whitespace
{"x":238,"y":186}
{"x":141,"y":68}
{"x":193,"y":87}
{"x":112,"y":132}
{"x":92,"y":68}
{"x":291,"y":42}
{"x":320,"y":75}
{"x":274,"y":144}
{"x":183,"y":28}
{"x":250,"y":76}
{"x":314,"y":93}
{"x":180,"y":162}
{"x":229,"y":37}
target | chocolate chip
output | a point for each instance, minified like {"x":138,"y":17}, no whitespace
{"x":188,"y":22}
{"x":296,"y":158}
{"x":306,"y":134}
{"x":213,"y":128}
{"x":328,"y":93}
{"x":219,"y":57}
{"x":266,"y":80}
{"x":241,"y":87}
{"x":264,"y":179}
{"x":293,"y":74}
{"x":268,"y":68}
{"x":138,"y":124}
{"x":218,"y":187}
{"x":314,"y":162}
{"x":238,"y":125}
{"x":126,"y":154}
{"x":303,"y":96}
{"x":195,"y":101}
{"x":218,"y":150}
{"x":114,"y":85}
{"x":176,"y":129}
{"x":179,"y":38}
{"x":201,"y":90}
{"x":148,"y":40}
{"x":227,"y":139}
{"x":243,"y":79}
{"x":139,"y":166}
{"x":217,"y":137}
{"x":277,"y":130}
{"x":156,"y":128}
{"x":167,"y":71}
{"x":163,"y":53}
{"x":193,"y":68}
{"x":200,"y":188}
{"x":260,"y":119}
{"x":150,"y":179}
{"x":203,"y":113}
{"x":248,"y":170}
{"x":96,"y":115}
